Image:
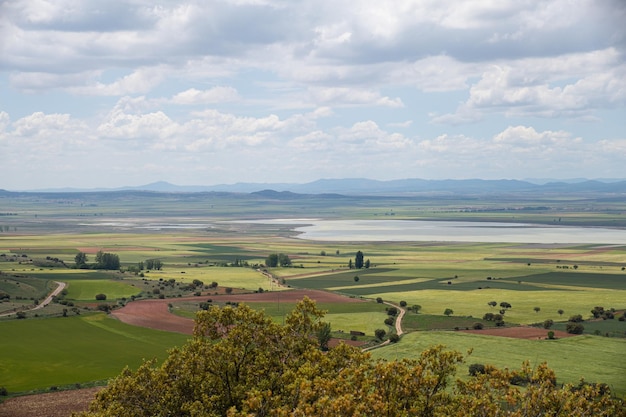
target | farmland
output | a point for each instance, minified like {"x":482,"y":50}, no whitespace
{"x":197,"y":241}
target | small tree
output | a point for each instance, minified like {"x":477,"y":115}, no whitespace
{"x":492,"y":303}
{"x":323,"y":336}
{"x":448,"y":312}
{"x":416,"y":308}
{"x":537,"y":309}
{"x":402,"y":303}
{"x":547,"y":324}
{"x":101,"y":297}
{"x":560,"y":311}
{"x":574,"y":328}
{"x":80,"y":259}
{"x":356,"y":278}
{"x":358,"y":260}
{"x":551,"y":335}
{"x":380,"y":333}
{"x":476,"y":369}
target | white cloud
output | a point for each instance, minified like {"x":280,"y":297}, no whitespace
{"x":340,"y":96}
{"x":212,"y":95}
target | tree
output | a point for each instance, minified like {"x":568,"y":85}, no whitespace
{"x":358,"y":260}
{"x":284,"y":260}
{"x":241,"y":363}
{"x":492,"y":303}
{"x":505,"y":305}
{"x":80,"y":259}
{"x":380,"y":333}
{"x":448,"y":312}
{"x":272,"y":260}
{"x":416,"y":308}
{"x":101,"y":297}
{"x":350,"y":266}
{"x":537,"y":309}
{"x":323,"y":336}
{"x":574,"y":328}
{"x":356,"y":278}
{"x":367,"y":264}
{"x":108,"y":261}
{"x":560,"y":311}
{"x":548,"y":323}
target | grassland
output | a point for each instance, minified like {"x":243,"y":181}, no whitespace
{"x":464,"y":277}
{"x":40,"y":353}
{"x":597,"y":359}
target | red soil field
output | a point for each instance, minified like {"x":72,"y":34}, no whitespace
{"x":154,"y":313}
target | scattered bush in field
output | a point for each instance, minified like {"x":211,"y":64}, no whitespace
{"x":547,"y":324}
{"x":551,"y":335}
{"x":402,"y":303}
{"x":356,"y":278}
{"x":101,"y":297}
{"x":3,"y":392}
{"x":476,"y":369}
{"x":389,"y":321}
{"x":416,"y":308}
{"x":394,"y":338}
{"x":380,"y":333}
{"x":379,"y":300}
{"x":577,"y":318}
{"x":104,"y":307}
{"x":448,"y":312}
{"x":477,"y":326}
{"x":392,"y":311}
{"x":574,"y":328}
{"x":228,"y":290}
{"x":20,"y":315}
{"x":560,"y":311}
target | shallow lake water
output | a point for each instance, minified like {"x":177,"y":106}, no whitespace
{"x":450,"y":231}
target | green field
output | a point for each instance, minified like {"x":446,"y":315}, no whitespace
{"x":40,"y":353}
{"x":597,"y":359}
{"x":49,"y":230}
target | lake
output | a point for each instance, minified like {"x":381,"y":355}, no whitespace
{"x":450,"y":231}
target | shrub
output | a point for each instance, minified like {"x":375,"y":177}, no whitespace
{"x":476,"y":368}
{"x":394,"y":338}
{"x":380,"y":334}
{"x":402,"y":303}
{"x":3,"y":392}
{"x":574,"y":328}
{"x":548,"y":323}
{"x":551,"y":335}
{"x":389,"y":321}
{"x":477,"y":326}
{"x":577,"y":318}
{"x":101,"y":297}
{"x":379,"y":300}
{"x":392,"y":311}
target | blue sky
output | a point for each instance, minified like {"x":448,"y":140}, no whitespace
{"x":107,"y":94}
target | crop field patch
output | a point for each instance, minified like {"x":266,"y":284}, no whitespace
{"x":74,"y":350}
{"x":597,"y":359}
{"x":615,"y":281}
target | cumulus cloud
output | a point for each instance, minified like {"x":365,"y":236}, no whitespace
{"x":251,"y":79}
{"x":212,"y":95}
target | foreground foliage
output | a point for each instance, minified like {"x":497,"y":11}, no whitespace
{"x":240,"y":363}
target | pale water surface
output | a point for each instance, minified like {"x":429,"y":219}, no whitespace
{"x":451,"y":231}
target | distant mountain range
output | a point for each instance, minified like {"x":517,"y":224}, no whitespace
{"x":361,"y":186}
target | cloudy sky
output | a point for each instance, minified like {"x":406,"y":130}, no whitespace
{"x":111,"y":93}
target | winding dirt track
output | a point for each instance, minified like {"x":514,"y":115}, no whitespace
{"x":155,"y":314}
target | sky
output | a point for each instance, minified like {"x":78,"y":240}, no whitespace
{"x":124,"y":93}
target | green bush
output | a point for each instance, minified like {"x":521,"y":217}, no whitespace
{"x":476,"y":368}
